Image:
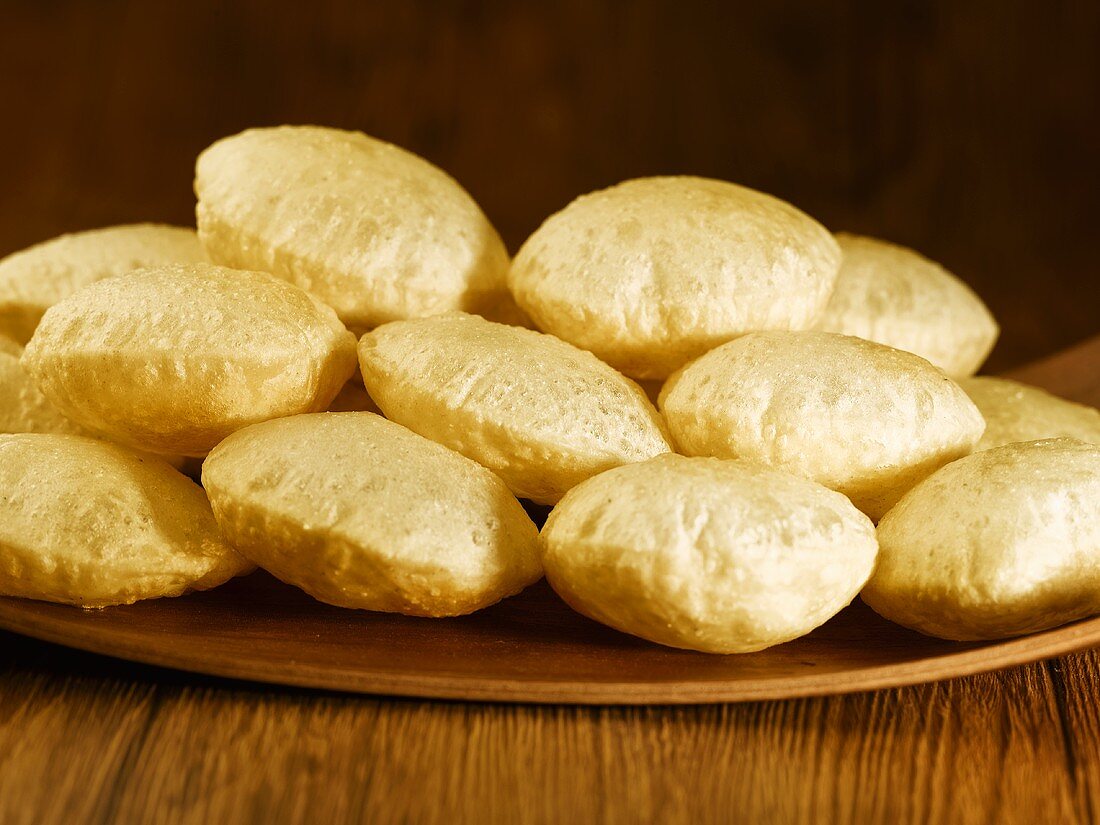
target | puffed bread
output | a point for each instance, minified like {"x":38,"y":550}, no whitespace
{"x":174,"y":359}
{"x":895,"y":296}
{"x":539,"y":412}
{"x":24,"y":409}
{"x":360,"y":512}
{"x":1016,"y":412}
{"x":707,"y":554}
{"x":90,"y":523}
{"x":34,"y":279}
{"x":374,"y":231}
{"x":997,"y":544}
{"x":861,"y":418}
{"x":653,"y":272}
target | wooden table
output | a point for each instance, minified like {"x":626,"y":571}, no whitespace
{"x":87,"y":739}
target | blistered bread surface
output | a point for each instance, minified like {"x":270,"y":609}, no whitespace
{"x":862,"y":418}
{"x":1001,"y":543}
{"x":707,"y":554}
{"x":360,"y":512}
{"x":90,"y":523}
{"x":541,"y":413}
{"x":174,"y":359}
{"x":34,"y":279}
{"x":1017,"y":412}
{"x":656,"y":271}
{"x":374,"y":231}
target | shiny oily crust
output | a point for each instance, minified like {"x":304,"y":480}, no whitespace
{"x":1016,"y":412}
{"x":537,"y":411}
{"x":706,"y":554}
{"x":1001,"y":543}
{"x":174,"y":359}
{"x":656,"y":271}
{"x":24,"y":409}
{"x":36,"y":278}
{"x":360,"y":512}
{"x":89,"y":523}
{"x":861,"y":418}
{"x":895,"y":296}
{"x":377,"y":233}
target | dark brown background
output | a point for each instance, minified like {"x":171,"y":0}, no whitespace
{"x":968,"y":130}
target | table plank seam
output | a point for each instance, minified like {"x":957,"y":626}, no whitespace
{"x":1058,"y":683}
{"x":128,"y":763}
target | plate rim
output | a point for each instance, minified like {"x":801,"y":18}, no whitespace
{"x":993,"y":656}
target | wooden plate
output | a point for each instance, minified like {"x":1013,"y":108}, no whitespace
{"x":531,"y":648}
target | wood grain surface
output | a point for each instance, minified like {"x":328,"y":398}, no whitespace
{"x":83,"y":739}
